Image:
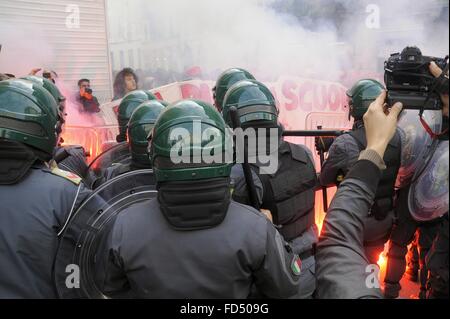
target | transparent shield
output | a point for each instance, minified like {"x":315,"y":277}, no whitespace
{"x":81,"y":258}
{"x":119,"y":153}
{"x":416,"y":142}
{"x":428,"y":196}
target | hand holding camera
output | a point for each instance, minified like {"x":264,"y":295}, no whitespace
{"x":437,"y":73}
{"x":410,"y":80}
{"x":86,"y":93}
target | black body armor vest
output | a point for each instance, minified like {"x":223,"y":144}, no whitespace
{"x":290,"y":193}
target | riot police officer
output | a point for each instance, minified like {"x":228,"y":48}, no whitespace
{"x":120,"y":152}
{"x":343,"y":270}
{"x":344,"y":153}
{"x":420,"y":207}
{"x":288,"y":190}
{"x":225,"y":81}
{"x":208,"y":249}
{"x":37,"y":200}
{"x":127,"y":106}
{"x":140,"y":126}
{"x":437,"y":259}
{"x":71,"y":158}
{"x":422,"y":202}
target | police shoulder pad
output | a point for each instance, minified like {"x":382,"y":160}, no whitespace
{"x":67,"y":175}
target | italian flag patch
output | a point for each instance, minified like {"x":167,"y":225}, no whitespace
{"x":296,"y":266}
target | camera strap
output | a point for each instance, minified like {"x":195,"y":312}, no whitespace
{"x":430,"y":131}
{"x":439,"y":84}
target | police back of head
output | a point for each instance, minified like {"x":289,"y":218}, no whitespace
{"x":140,"y":127}
{"x":51,"y":88}
{"x":361,"y":95}
{"x":28,"y":122}
{"x":225,"y":81}
{"x":188,"y":151}
{"x":57,"y":95}
{"x":127,"y":106}
{"x":254,"y":102}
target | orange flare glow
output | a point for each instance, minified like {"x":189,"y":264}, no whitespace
{"x":382,"y":261}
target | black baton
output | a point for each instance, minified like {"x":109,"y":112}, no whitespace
{"x":245,"y":166}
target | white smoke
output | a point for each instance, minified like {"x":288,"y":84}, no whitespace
{"x":24,"y":47}
{"x":218,"y":34}
{"x":401,"y":23}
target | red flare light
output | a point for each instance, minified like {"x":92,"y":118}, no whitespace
{"x":91,"y":138}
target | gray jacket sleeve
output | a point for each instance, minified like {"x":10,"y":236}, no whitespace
{"x":276,"y":277}
{"x":343,"y":270}
{"x":342,"y":155}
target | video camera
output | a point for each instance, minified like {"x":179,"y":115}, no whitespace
{"x":88,"y":90}
{"x":409,"y":81}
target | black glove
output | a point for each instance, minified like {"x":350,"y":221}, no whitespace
{"x":323,"y":144}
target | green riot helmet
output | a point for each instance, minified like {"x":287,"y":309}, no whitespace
{"x":51,"y":87}
{"x":189,"y":142}
{"x":57,"y":95}
{"x":127,"y":106}
{"x":225,"y":81}
{"x":361,"y":95}
{"x":140,"y":126}
{"x":254,"y":102}
{"x":28,"y":114}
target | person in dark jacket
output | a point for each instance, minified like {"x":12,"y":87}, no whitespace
{"x":87,"y":101}
{"x":344,"y":153}
{"x":208,"y":249}
{"x":406,"y":226}
{"x":37,"y":199}
{"x":286,"y":187}
{"x":343,"y":270}
{"x":437,"y":259}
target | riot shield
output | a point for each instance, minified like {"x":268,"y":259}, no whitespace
{"x":81,"y":257}
{"x":119,"y":153}
{"x":428,"y":195}
{"x":416,"y":142}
